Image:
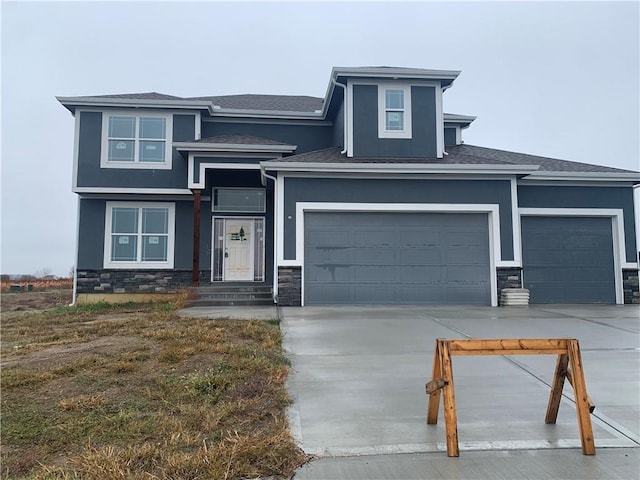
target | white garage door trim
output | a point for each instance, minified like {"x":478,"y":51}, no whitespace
{"x":492,"y":211}
{"x":617,"y":230}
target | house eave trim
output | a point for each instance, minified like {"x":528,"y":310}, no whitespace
{"x":399,"y":73}
{"x":137,"y":103}
{"x":232,"y":147}
{"x":584,"y":176}
{"x":217,"y":111}
{"x":398,"y":168}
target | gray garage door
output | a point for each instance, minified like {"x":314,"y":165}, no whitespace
{"x":396,"y":258}
{"x":568,"y":259}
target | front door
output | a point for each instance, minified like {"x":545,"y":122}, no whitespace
{"x":238,"y":249}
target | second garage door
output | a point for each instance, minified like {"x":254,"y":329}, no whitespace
{"x":568,"y":259}
{"x":396,"y":258}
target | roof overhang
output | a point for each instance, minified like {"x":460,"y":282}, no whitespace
{"x":72,"y":102}
{"x":232,"y":147}
{"x":633,"y":177}
{"x":463,"y":120}
{"x":374,"y":167}
{"x":446,"y":77}
{"x":216,"y":110}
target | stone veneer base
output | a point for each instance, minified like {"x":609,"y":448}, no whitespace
{"x":136,"y":281}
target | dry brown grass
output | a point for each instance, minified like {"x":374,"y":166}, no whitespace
{"x":39,"y":284}
{"x":135,"y":392}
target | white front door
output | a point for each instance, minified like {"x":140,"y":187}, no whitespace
{"x":238,"y":249}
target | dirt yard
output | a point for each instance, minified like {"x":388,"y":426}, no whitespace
{"x":134,"y":391}
{"x":36,"y":300}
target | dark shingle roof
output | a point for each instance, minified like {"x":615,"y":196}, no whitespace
{"x":139,"y":96}
{"x":239,"y":140}
{"x":283,"y":103}
{"x":491,"y":155}
{"x":458,"y":155}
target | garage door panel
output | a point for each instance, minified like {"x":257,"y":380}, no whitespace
{"x":459,"y":255}
{"x":329,"y":272}
{"x":330,"y":237}
{"x":428,"y":275}
{"x":373,"y":294}
{"x":418,"y":237}
{"x":397,"y":258}
{"x":373,"y":238}
{"x":568,"y":259}
{"x":419,"y":256}
{"x":372,"y":274}
{"x":339,"y":293}
{"x":468,"y":274}
{"x":373,"y":256}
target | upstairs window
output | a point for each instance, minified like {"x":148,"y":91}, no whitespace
{"x":394,"y":111}
{"x":136,"y":141}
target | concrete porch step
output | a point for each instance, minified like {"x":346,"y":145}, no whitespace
{"x":232,"y":295}
{"x":230,"y":302}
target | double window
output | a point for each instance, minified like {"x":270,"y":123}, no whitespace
{"x":139,"y":235}
{"x":136,"y":141}
{"x":394,"y":111}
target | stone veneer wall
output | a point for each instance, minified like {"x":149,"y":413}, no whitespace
{"x":136,"y":281}
{"x":508,"y":277}
{"x":289,"y":286}
{"x":631,"y":286}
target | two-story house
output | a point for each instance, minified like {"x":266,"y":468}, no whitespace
{"x":366,"y":195}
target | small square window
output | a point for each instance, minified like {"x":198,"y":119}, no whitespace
{"x":395,"y":121}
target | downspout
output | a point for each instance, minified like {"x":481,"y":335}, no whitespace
{"x":265,"y":175}
{"x":75,"y":267}
{"x":344,"y":126}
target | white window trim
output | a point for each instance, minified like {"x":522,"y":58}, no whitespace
{"x":230,"y":212}
{"x":108,"y":263}
{"x":382,"y":126}
{"x":168,"y":151}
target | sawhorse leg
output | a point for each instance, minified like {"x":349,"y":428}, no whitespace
{"x":442,"y":379}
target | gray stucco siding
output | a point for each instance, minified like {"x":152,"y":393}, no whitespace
{"x":89,"y":149}
{"x":338,"y":127}
{"x":307,"y":137}
{"x":366,"y":143}
{"x":397,"y":191}
{"x":531,"y":196}
{"x":91,"y":233}
{"x":450,"y":136}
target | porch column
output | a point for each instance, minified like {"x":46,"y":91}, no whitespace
{"x":195,"y":276}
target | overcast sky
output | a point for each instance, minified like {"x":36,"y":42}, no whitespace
{"x":559,"y":79}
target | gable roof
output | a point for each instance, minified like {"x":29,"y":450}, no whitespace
{"x":235,"y":143}
{"x":283,"y":103}
{"x":238,"y":140}
{"x":137,"y":96}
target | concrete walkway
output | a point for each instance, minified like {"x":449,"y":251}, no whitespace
{"x":359,"y":404}
{"x":232,"y":313}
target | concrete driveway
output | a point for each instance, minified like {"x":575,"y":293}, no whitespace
{"x":359,"y":372}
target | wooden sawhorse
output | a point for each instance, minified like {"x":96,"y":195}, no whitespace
{"x":568,"y":365}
